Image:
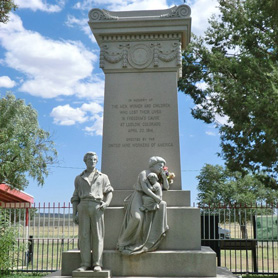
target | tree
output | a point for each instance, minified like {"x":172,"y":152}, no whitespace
{"x":233,"y":72}
{"x":5,"y":7}
{"x":218,"y":185}
{"x":25,"y":148}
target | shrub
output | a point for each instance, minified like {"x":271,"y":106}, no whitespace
{"x":8,"y":243}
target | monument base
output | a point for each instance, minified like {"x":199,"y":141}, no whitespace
{"x":221,"y":272}
{"x":193,"y":263}
{"x":92,"y":274}
{"x":184,"y":228}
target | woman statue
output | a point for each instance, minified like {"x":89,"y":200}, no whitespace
{"x":143,"y":229}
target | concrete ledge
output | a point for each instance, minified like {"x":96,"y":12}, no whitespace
{"x":91,"y":273}
{"x":173,"y":198}
{"x":184,"y":232}
{"x":221,"y":272}
{"x":201,"y":263}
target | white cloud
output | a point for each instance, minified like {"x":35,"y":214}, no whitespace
{"x":202,"y":85}
{"x":90,"y":90}
{"x":210,"y":133}
{"x":92,"y":107}
{"x":53,"y":68}
{"x":6,"y":82}
{"x":97,"y":127}
{"x":120,"y":5}
{"x":222,"y":120}
{"x":66,"y":115}
{"x":89,"y":112}
{"x":72,"y":21}
{"x":136,"y":5}
{"x":201,"y":11}
{"x":40,"y":5}
{"x":219,"y":120}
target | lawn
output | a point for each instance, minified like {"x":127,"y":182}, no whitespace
{"x":23,"y":275}
{"x":259,"y":276}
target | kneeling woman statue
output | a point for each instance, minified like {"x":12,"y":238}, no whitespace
{"x":144,"y":224}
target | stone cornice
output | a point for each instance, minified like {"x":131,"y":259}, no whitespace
{"x":182,"y":11}
{"x":106,"y":24}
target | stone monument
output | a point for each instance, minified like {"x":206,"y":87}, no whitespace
{"x":140,"y":54}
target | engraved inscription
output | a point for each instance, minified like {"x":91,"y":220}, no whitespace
{"x":140,"y":119}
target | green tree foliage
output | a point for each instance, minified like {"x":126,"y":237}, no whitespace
{"x":233,"y":71}
{"x":5,"y":7}
{"x":8,"y":243}
{"x":219,"y":186}
{"x":25,"y":148}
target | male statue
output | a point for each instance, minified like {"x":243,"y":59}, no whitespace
{"x":92,"y":194}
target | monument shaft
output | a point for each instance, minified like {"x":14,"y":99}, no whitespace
{"x":140,"y":54}
{"x":139,"y":122}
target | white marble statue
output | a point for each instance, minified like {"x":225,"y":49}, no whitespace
{"x":145,"y":224}
{"x":92,"y":194}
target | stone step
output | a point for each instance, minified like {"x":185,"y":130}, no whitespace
{"x":198,"y":263}
{"x":184,"y":228}
{"x":221,"y":272}
{"x":173,"y":198}
{"x":92,"y":274}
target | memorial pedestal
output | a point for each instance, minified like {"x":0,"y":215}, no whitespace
{"x":201,"y":263}
{"x":179,"y":255}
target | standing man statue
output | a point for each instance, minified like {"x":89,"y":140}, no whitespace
{"x":92,"y":194}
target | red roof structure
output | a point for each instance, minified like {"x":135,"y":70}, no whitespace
{"x":13,"y":198}
{"x":8,"y":195}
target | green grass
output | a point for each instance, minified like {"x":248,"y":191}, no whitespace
{"x":24,"y":275}
{"x":259,"y":276}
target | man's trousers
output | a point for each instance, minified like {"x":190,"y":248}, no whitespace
{"x":91,"y":232}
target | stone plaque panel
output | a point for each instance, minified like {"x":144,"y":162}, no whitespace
{"x":140,"y":121}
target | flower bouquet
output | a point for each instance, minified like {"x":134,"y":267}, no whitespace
{"x":170,"y":175}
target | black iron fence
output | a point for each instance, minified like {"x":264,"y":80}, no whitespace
{"x":245,"y":238}
{"x":44,"y":232}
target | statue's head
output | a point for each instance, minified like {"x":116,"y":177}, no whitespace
{"x":90,"y":155}
{"x":156,"y":164}
{"x":152,"y":177}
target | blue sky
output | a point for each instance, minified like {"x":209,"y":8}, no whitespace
{"x":49,"y":57}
